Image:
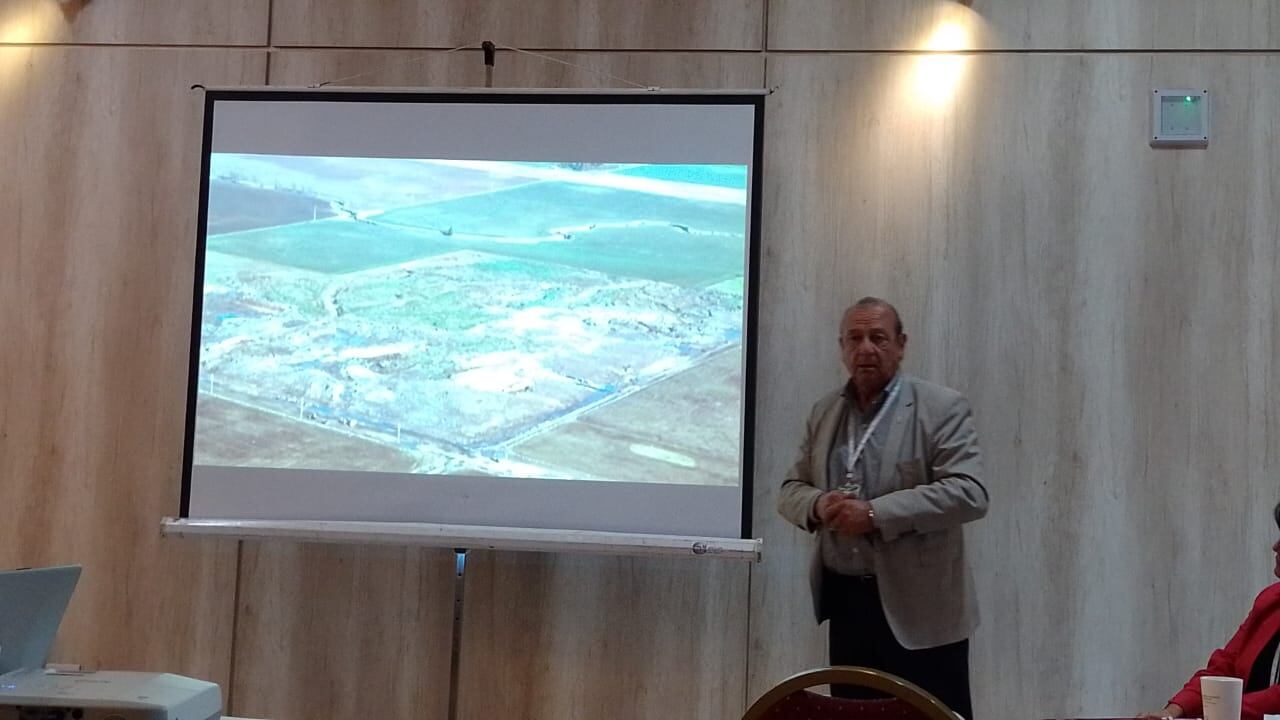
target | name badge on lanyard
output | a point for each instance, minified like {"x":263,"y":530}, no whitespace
{"x":853,"y":453}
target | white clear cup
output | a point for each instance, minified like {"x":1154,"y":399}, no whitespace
{"x":1221,"y":697}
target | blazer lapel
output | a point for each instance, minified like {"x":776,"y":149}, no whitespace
{"x":826,"y":435}
{"x":902,"y":411}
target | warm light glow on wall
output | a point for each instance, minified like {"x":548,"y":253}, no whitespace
{"x":17,"y":30}
{"x":14,"y":30}
{"x":20,"y":25}
{"x":939,"y":73}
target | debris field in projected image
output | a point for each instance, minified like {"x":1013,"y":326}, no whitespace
{"x":520,"y":319}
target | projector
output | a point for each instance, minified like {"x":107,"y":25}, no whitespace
{"x":106,"y":695}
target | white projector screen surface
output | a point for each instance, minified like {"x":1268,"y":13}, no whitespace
{"x":498,"y":310}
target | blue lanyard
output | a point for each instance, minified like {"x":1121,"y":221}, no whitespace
{"x":853,"y":453}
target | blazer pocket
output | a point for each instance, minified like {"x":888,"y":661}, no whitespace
{"x":911,"y":473}
{"x":935,"y":548}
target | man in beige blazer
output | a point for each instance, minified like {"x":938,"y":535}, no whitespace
{"x":888,"y":472}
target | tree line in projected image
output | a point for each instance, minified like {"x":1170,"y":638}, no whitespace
{"x":516,"y":319}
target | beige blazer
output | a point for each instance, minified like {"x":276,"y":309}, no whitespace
{"x":930,"y":484}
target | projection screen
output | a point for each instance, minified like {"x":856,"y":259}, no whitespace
{"x":528,"y":310}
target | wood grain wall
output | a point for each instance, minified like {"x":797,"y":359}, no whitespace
{"x":95,"y":294}
{"x":1108,"y":308}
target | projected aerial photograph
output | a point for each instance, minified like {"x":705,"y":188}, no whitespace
{"x":518,"y":319}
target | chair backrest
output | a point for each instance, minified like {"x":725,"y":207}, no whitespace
{"x":791,"y":698}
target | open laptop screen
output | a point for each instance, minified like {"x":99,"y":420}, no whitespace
{"x":32,"y":603}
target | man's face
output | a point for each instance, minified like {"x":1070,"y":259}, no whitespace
{"x":870,"y":348}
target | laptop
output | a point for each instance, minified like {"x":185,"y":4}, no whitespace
{"x":32,"y":602}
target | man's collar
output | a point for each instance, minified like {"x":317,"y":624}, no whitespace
{"x":850,"y":393}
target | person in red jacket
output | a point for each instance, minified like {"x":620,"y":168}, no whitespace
{"x":1250,"y":655}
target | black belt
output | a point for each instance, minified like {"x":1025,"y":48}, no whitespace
{"x":851,"y":579}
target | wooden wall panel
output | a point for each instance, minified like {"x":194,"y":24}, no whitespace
{"x":1110,"y":310}
{"x":140,"y":22}
{"x":1025,"y":24}
{"x":328,"y":631}
{"x":529,"y":24}
{"x":101,"y":150}
{"x":580,"y":638}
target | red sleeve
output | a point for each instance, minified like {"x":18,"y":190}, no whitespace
{"x":1224,"y":662}
{"x":1257,"y":704}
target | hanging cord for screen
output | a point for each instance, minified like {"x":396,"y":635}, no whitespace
{"x":490,"y":56}
{"x":592,"y":70}
{"x":384,"y":66}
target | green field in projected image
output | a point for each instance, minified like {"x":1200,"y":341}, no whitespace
{"x":522,"y":319}
{"x":627,"y":233}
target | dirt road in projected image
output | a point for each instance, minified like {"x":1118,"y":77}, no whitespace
{"x":679,"y":430}
{"x":469,"y":317}
{"x":231,"y":433}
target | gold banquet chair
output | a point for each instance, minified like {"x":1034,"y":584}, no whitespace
{"x":792,"y":700}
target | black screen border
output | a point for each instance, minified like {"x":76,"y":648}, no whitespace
{"x":748,"y":98}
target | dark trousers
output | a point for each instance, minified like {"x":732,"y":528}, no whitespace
{"x":860,"y":635}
